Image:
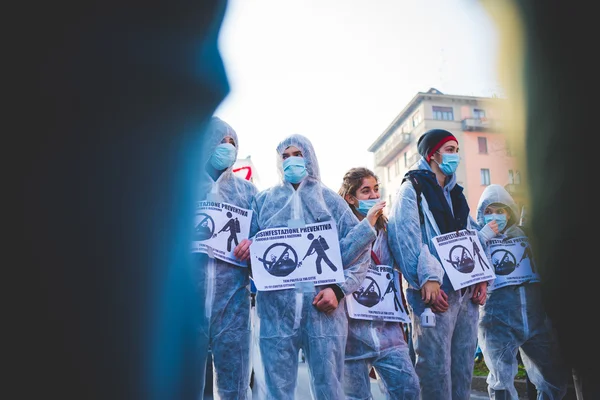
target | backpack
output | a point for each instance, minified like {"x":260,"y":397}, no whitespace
{"x":412,"y":177}
{"x":323,"y":243}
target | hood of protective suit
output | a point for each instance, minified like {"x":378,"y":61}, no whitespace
{"x":228,"y":187}
{"x":497,"y":194}
{"x":216,"y":131}
{"x":282,"y":202}
{"x":308,"y":152}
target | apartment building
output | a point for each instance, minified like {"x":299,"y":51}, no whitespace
{"x":486,"y":155}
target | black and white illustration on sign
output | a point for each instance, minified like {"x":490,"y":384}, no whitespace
{"x":392,"y":290}
{"x":205,"y":226}
{"x":378,"y":297}
{"x":463,"y":258}
{"x":233,"y":228}
{"x":277,"y":260}
{"x":369,"y":293}
{"x":275,"y":263}
{"x":513,"y":262}
{"x":218,"y":228}
{"x":319,"y":247}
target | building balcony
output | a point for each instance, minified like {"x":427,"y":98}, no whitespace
{"x":480,"y":124}
{"x":391,"y":148}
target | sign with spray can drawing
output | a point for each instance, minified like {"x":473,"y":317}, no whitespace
{"x":282,"y":257}
{"x":463,"y":258}
{"x":513,"y":262}
{"x":378,"y":297}
{"x":218,"y":228}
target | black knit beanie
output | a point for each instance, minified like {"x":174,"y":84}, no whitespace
{"x":432,"y":140}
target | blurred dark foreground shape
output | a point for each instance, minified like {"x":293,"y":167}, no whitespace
{"x":108,"y":100}
{"x":559,"y":79}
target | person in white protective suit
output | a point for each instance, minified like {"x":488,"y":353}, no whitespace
{"x":223,"y":287}
{"x":377,"y":343}
{"x":444,"y":353}
{"x":312,"y":319}
{"x":513,"y":318}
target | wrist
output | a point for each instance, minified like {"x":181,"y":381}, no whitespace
{"x":372,"y":220}
{"x":487,"y":233}
{"x":339,"y":294}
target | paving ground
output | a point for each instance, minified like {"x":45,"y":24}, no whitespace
{"x":479,"y":388}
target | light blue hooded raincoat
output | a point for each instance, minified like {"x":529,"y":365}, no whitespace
{"x":513,"y":319}
{"x":287,"y":320}
{"x":224,"y":287}
{"x":378,"y":344}
{"x":444,"y":353}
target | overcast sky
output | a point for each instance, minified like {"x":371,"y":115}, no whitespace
{"x":339,"y":71}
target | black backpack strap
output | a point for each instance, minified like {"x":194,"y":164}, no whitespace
{"x":414,"y":179}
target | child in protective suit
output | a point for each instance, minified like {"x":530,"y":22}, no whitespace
{"x":513,"y":318}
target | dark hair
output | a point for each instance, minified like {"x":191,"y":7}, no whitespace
{"x":352,"y":181}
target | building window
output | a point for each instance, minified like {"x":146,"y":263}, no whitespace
{"x":389,"y":174}
{"x":517,"y":178}
{"x":397,"y":167}
{"x":416,"y":119}
{"x":511,"y":177}
{"x":406,"y":159}
{"x":478,"y":113}
{"x":482,"y":142}
{"x":443,"y":113}
{"x":485,"y":177}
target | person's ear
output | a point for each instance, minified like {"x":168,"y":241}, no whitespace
{"x":350,"y":199}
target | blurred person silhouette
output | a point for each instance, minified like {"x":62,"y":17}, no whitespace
{"x":375,"y":343}
{"x":112,"y":99}
{"x":225,"y":286}
{"x":552,"y":82}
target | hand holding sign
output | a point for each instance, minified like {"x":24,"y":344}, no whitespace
{"x":326,"y":301}
{"x":242,"y":250}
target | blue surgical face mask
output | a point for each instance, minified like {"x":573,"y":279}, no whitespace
{"x":294,"y":169}
{"x":223,"y":157}
{"x":449,"y":163}
{"x":499,"y":218}
{"x":365,"y":205}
